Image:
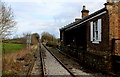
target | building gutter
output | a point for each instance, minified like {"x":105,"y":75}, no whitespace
{"x":86,"y":20}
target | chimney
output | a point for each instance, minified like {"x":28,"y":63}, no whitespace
{"x":84,"y":12}
{"x":112,"y":1}
{"x":109,"y":1}
{"x":109,"y":4}
{"x":77,"y":19}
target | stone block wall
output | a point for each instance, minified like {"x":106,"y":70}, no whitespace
{"x":98,"y":62}
{"x":93,"y":61}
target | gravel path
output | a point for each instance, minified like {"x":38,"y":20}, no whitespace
{"x":52,"y":66}
{"x":36,"y":71}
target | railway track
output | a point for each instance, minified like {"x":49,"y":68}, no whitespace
{"x":71,"y":74}
{"x":43,"y":53}
{"x":42,"y":62}
{"x":30,"y":69}
{"x":36,"y":67}
{"x":45,"y":67}
{"x":110,"y":74}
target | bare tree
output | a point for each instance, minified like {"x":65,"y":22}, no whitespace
{"x":49,"y":39}
{"x":7,"y":22}
{"x":45,"y":36}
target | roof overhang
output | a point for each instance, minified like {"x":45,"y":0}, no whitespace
{"x":84,"y":20}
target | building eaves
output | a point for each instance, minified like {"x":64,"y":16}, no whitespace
{"x":87,"y":17}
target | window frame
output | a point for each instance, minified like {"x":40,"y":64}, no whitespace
{"x":95,"y":33}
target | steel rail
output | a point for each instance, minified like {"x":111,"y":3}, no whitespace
{"x":59,"y":61}
{"x":42,"y":62}
{"x":32,"y":65}
{"x":30,"y":68}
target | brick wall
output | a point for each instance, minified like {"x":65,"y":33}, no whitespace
{"x":104,"y":44}
{"x":114,"y":19}
{"x":98,"y":55}
{"x":119,"y":18}
{"x":116,"y":47}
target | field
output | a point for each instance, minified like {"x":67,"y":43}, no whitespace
{"x":13,"y":50}
{"x":0,"y":48}
{"x":11,"y":47}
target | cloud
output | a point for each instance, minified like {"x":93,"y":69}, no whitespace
{"x":49,"y":15}
{"x":45,"y":1}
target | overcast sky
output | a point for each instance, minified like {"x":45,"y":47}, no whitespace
{"x":37,"y":16}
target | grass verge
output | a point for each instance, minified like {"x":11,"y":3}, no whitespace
{"x":13,"y":66}
{"x":11,"y":47}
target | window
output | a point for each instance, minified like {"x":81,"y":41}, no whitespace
{"x":95,"y":31}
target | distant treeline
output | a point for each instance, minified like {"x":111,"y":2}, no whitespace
{"x":22,"y":40}
{"x":49,"y":39}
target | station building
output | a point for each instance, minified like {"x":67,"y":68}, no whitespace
{"x":95,"y":39}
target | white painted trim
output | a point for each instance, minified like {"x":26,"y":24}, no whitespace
{"x":99,"y":25}
{"x":88,"y":19}
{"x":95,"y":42}
{"x":91,"y":31}
{"x":99,"y":29}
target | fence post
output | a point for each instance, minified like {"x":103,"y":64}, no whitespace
{"x":28,"y":40}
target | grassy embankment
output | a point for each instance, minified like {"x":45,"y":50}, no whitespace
{"x":0,"y":48}
{"x":11,"y":47}
{"x":15,"y":50}
{"x":10,"y":50}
